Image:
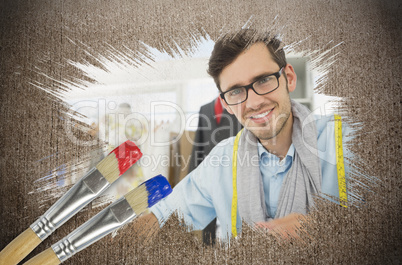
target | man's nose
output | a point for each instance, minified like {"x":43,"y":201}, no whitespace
{"x":254,"y":100}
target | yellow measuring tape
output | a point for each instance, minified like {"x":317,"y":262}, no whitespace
{"x":339,"y":167}
{"x":234,"y":198}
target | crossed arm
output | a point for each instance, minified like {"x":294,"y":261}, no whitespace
{"x":285,"y":227}
{"x":282,"y":228}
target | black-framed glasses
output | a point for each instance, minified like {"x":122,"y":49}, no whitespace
{"x":262,"y":86}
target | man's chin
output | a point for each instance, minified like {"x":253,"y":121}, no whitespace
{"x":263,"y":131}
{"x":262,"y":134}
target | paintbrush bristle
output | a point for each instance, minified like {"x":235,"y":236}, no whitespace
{"x":138,"y":199}
{"x":109,"y":167}
{"x":119,"y":160}
{"x":148,"y":193}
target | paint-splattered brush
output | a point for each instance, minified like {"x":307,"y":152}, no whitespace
{"x":83,"y":192}
{"x":113,"y":217}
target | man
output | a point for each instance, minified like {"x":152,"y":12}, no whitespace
{"x":267,"y":175}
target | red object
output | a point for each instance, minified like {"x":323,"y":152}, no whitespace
{"x":218,"y":110}
{"x":127,"y":154}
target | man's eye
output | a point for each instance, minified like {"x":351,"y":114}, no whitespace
{"x":265,"y":79}
{"x":235,"y":92}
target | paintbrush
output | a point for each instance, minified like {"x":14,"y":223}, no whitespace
{"x":83,"y":192}
{"x":108,"y":220}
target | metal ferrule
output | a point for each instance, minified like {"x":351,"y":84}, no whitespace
{"x":82,"y":193}
{"x":116,"y":215}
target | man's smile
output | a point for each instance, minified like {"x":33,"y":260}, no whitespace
{"x":261,"y":117}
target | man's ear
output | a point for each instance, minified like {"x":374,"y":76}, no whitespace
{"x":291,"y":77}
{"x":226,"y":106}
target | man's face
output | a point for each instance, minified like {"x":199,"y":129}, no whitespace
{"x":265,"y":116}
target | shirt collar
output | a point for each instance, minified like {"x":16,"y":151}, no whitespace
{"x":262,"y":150}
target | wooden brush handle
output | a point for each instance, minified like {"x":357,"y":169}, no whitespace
{"x":47,"y":257}
{"x":19,"y":248}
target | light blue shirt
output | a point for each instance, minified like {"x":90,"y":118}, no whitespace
{"x":207,"y":191}
{"x":273,"y":171}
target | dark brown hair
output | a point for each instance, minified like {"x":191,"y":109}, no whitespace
{"x":229,"y":46}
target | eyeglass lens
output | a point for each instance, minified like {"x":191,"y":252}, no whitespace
{"x":261,"y":87}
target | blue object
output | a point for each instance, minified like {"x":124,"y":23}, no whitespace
{"x":273,"y":171}
{"x":158,"y":188}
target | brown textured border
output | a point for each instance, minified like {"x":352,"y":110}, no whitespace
{"x":37,"y":37}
